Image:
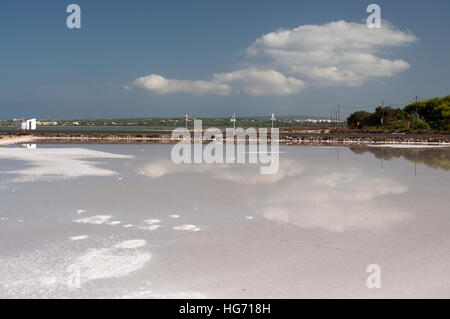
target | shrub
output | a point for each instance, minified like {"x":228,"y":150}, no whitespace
{"x":421,"y":125}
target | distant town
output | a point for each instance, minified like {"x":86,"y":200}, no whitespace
{"x":170,"y":123}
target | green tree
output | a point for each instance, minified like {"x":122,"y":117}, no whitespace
{"x":359,"y":119}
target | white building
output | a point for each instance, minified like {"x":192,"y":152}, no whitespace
{"x":25,"y":124}
{"x":46,"y":123}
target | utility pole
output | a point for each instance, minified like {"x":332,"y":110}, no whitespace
{"x":417,"y":112}
{"x":233,"y":119}
{"x":273,"y":119}
{"x":339,"y":113}
{"x":186,"y":117}
{"x":335,"y":117}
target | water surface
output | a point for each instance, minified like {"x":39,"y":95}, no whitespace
{"x":128,"y":223}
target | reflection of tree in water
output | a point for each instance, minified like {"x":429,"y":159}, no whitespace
{"x":431,"y":157}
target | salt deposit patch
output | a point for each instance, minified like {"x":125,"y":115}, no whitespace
{"x":110,"y":262}
{"x":46,"y":273}
{"x":128,"y":226}
{"x":130,"y":244}
{"x":249,"y":217}
{"x":174,"y":216}
{"x":152,"y":221}
{"x":150,"y":227}
{"x":149,"y":294}
{"x":77,"y":238}
{"x":115,"y":223}
{"x":48,"y":281}
{"x":94,"y":220}
{"x":60,"y":163}
{"x":187,"y":228}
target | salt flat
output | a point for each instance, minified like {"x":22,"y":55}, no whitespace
{"x":70,"y":228}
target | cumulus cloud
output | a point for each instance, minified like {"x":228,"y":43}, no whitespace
{"x":333,"y":53}
{"x":249,"y":81}
{"x":158,"y":84}
{"x":260,"y":82}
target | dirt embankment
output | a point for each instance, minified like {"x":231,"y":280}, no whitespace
{"x":8,"y":139}
{"x":304,"y":138}
{"x":368,"y":139}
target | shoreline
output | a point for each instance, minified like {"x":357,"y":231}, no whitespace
{"x":313,"y":140}
{"x":15,"y":140}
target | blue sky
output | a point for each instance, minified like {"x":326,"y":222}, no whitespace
{"x":165,"y":58}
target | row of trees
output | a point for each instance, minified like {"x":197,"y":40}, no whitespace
{"x":433,"y":113}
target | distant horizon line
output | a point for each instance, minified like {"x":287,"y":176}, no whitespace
{"x":256,"y":117}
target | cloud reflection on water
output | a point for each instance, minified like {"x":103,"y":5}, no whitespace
{"x":239,"y":173}
{"x":335,"y":199}
{"x":338,"y":202}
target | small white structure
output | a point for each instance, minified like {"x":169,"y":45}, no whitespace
{"x":25,"y":124}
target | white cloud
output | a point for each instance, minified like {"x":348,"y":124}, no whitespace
{"x":157,"y":84}
{"x":249,"y":81}
{"x":260,"y":82}
{"x":334,"y":53}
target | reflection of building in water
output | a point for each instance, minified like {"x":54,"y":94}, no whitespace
{"x":437,"y":158}
{"x":31,"y":146}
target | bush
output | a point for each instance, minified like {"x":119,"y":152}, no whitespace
{"x":399,"y":126}
{"x":421,"y":125}
{"x":433,"y":113}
